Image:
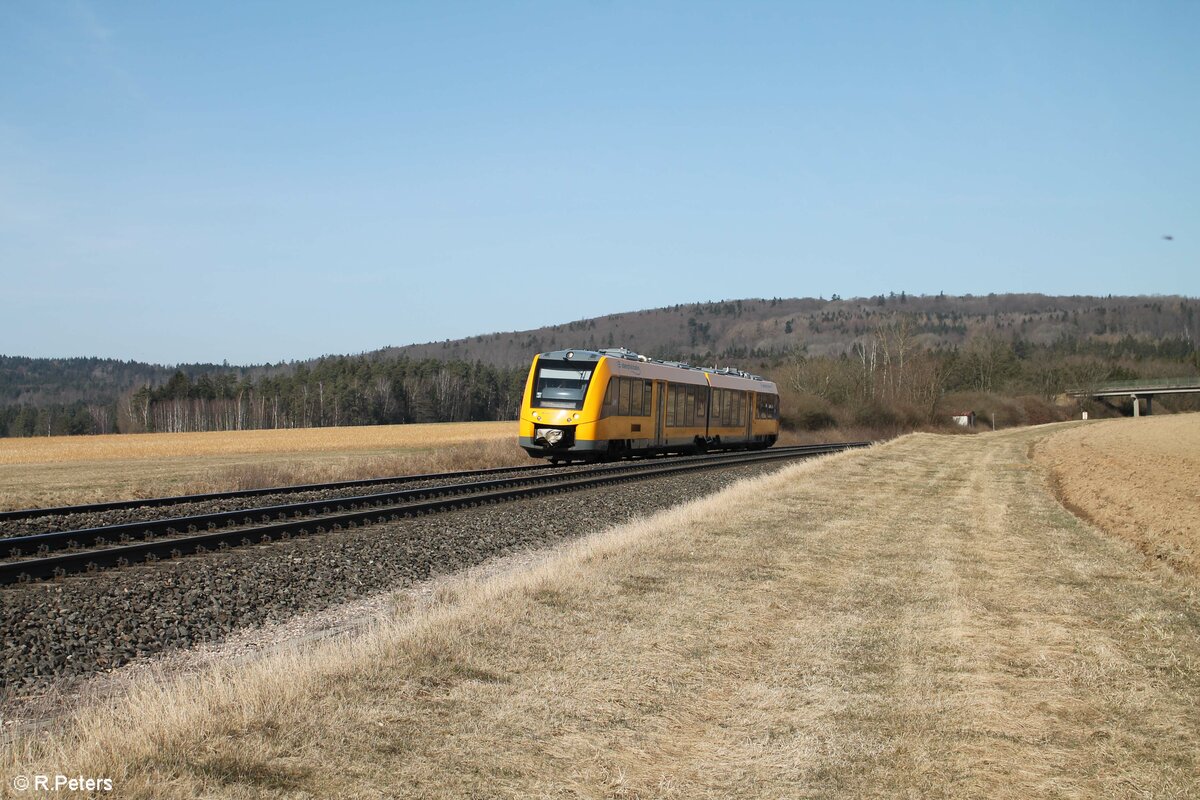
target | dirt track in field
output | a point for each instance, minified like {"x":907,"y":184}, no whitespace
{"x":1138,"y":479}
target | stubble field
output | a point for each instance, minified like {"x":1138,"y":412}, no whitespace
{"x":63,"y":470}
{"x":922,"y":619}
{"x":1138,"y":479}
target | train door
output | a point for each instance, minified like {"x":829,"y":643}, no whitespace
{"x":748,"y":407}
{"x":660,"y":415}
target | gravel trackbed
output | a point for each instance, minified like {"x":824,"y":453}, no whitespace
{"x":88,"y":624}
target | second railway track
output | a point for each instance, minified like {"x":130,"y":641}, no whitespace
{"x":60,"y":553}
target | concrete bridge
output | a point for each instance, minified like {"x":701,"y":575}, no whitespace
{"x":1140,"y":390}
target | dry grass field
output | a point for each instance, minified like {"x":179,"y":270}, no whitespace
{"x":1136,"y":478}
{"x":59,"y":470}
{"x":921,"y":619}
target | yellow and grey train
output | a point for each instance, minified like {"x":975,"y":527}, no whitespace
{"x":606,"y":404}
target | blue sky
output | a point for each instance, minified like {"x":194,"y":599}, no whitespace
{"x":267,"y":181}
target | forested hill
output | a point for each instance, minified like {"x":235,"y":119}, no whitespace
{"x":41,"y":381}
{"x":481,"y":377}
{"x":763,"y":329}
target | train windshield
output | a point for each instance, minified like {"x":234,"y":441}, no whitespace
{"x":561,"y":384}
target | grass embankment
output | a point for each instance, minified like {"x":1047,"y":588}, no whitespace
{"x":919,"y":619}
{"x":59,"y":470}
{"x":1136,"y":478}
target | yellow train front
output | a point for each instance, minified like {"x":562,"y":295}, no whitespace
{"x":592,"y":405}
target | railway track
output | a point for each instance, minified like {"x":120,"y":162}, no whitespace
{"x":159,"y":502}
{"x":60,"y":553}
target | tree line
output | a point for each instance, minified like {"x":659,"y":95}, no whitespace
{"x":351,"y":390}
{"x":891,"y":375}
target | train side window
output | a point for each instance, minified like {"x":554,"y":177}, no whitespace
{"x":689,"y":407}
{"x":670,"y":423}
{"x":767,"y":406}
{"x":635,"y":398}
{"x":701,"y":404}
{"x":610,"y":399}
{"x":680,"y":405}
{"x":623,"y":397}
{"x":764,"y":406}
{"x":648,"y":398}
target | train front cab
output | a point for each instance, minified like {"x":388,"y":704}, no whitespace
{"x":559,"y":408}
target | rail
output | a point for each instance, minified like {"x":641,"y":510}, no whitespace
{"x":158,"y":502}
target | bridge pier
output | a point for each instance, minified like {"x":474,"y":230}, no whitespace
{"x":1137,"y":404}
